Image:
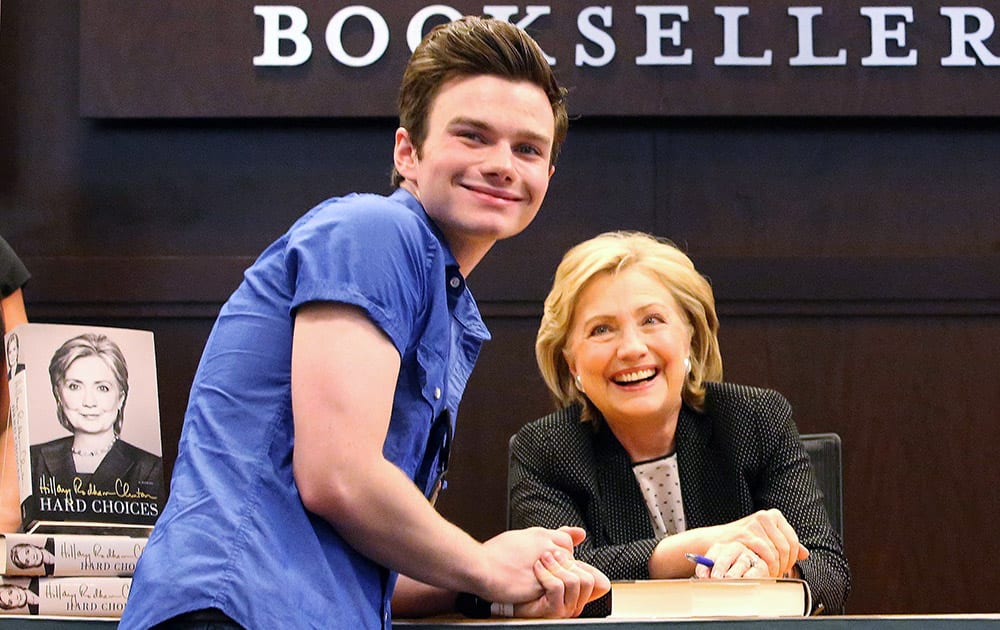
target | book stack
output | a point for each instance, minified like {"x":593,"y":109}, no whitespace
{"x":84,"y":415}
{"x":76,"y":575}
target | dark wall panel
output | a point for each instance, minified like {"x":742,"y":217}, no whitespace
{"x":914,"y":400}
{"x":828,"y":187}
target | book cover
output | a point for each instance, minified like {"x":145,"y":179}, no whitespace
{"x":86,"y":425}
{"x":687,"y":598}
{"x":64,"y":596}
{"x":69,"y":555}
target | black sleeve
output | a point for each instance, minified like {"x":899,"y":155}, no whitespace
{"x":13,"y":273}
{"x":788,"y":484}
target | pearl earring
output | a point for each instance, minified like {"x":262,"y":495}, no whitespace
{"x":687,"y":365}
{"x":579,"y":384}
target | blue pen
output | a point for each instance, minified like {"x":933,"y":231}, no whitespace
{"x":697,"y":558}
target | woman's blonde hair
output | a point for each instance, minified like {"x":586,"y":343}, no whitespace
{"x":613,"y":252}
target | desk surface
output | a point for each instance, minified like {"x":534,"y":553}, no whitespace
{"x":888,"y":622}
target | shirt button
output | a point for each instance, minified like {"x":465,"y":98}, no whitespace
{"x":437,"y":393}
{"x":455,"y":282}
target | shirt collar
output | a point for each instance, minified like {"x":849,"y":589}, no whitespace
{"x":405,"y":197}
{"x":465,"y":310}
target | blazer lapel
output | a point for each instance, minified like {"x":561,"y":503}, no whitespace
{"x":624,"y":516}
{"x":58,"y":457}
{"x":115,"y":466}
{"x":708,"y":481}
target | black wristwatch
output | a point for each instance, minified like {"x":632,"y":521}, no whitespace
{"x":473,"y":606}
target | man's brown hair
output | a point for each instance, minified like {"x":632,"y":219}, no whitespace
{"x":474,"y":46}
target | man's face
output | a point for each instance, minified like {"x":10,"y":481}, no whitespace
{"x":484,"y":167}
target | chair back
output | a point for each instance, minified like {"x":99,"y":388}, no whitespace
{"x":824,"y":450}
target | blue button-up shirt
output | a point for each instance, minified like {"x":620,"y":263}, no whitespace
{"x":234,"y":534}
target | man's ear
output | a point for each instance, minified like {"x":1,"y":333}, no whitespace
{"x":404,"y":154}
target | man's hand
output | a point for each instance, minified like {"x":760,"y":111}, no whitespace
{"x":563,"y":585}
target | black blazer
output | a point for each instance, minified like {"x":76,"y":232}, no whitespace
{"x":140,"y":469}
{"x":33,"y":587}
{"x":50,"y":546}
{"x":742,"y":455}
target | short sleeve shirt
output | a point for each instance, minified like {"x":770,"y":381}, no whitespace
{"x":234,"y":534}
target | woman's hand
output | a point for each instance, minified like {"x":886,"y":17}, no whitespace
{"x":770,"y":537}
{"x":732,"y":560}
{"x":569,"y":586}
{"x":766,"y":534}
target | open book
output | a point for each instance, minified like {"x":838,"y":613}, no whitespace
{"x":684,"y":598}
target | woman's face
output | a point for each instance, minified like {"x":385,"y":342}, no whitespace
{"x":27,"y":556}
{"x":627,"y":343}
{"x":12,"y":351}
{"x":90,"y":396}
{"x":11,"y":598}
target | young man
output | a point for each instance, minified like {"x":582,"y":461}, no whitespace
{"x":321,"y":412}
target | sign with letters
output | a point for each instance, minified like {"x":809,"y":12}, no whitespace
{"x":314,"y":58}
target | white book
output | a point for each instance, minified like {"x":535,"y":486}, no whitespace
{"x":69,"y":555}
{"x":687,"y":598}
{"x":102,"y":597}
{"x":86,"y":425}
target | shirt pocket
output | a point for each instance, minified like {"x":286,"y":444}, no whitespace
{"x":432,"y":377}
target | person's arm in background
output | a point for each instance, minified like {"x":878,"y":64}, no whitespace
{"x":13,"y":277}
{"x":343,"y":383}
{"x":13,"y":310}
{"x":10,"y":500}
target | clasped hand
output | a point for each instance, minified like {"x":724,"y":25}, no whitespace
{"x":561,"y":585}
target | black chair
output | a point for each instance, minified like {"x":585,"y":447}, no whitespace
{"x":824,"y":454}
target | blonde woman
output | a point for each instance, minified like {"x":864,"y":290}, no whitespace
{"x":650,"y":452}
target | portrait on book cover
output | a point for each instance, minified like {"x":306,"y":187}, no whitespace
{"x":33,"y":557}
{"x":93,"y":414}
{"x":19,"y":595}
{"x":14,"y":365}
